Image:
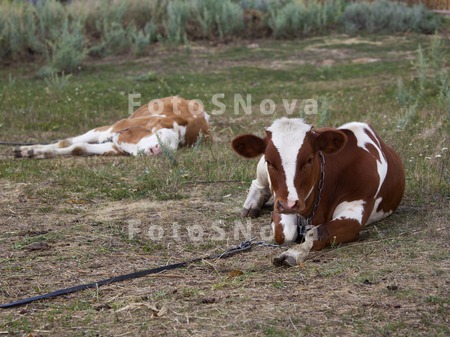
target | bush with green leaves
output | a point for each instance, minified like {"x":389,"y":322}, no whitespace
{"x":176,"y":22}
{"x":388,"y":17}
{"x":61,"y":33}
{"x":220,"y":19}
{"x":431,"y":84}
{"x":68,"y":51}
{"x":298,"y":19}
{"x":140,"y":39}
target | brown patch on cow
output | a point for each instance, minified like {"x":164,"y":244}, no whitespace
{"x":115,"y":152}
{"x":370,"y":147}
{"x":64,"y":143}
{"x":170,"y":109}
{"x":133,"y":135}
{"x":393,"y":187}
{"x":133,"y":128}
{"x":102,"y":128}
{"x":278,"y":228}
{"x":194,"y":129}
{"x":373,"y":151}
{"x":78,"y":151}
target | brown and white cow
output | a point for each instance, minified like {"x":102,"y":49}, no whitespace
{"x":331,"y":181}
{"x":171,"y":121}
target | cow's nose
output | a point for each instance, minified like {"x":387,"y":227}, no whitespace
{"x":290,"y":205}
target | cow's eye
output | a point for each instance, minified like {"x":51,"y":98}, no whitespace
{"x":309,"y":162}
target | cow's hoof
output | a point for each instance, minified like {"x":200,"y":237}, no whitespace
{"x":250,"y":213}
{"x":284,"y":261}
{"x":278,"y":261}
{"x":17,"y":152}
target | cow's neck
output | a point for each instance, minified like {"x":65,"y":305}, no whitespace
{"x":305,"y":222}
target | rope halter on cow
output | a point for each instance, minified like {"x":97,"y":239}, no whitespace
{"x":305,"y":224}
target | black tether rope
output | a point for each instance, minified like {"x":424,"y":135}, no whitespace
{"x":242,"y":247}
{"x":21,"y":143}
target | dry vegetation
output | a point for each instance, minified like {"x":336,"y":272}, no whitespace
{"x":393,"y":282}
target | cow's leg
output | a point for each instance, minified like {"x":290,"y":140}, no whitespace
{"x":348,"y":220}
{"x":333,"y":232}
{"x":259,"y":192}
{"x":297,"y":254}
{"x":95,"y":136}
{"x":79,"y":149}
{"x":284,"y":227}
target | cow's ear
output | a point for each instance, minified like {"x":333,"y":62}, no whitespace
{"x":249,"y":146}
{"x":331,"y":141}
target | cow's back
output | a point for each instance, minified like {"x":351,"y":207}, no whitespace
{"x":185,"y":116}
{"x":376,"y":165}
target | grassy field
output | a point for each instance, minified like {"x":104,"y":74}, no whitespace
{"x":393,"y":282}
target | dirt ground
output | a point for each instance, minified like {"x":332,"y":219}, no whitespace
{"x":394,"y":281}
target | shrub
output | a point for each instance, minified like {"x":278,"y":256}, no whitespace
{"x":297,"y":19}
{"x":388,"y":17}
{"x":68,"y":51}
{"x":106,"y":27}
{"x":176,"y":22}
{"x":260,"y":5}
{"x":431,"y":84}
{"x":19,"y":34}
{"x":229,"y":18}
{"x":51,"y":15}
{"x":142,"y":38}
{"x":218,"y":18}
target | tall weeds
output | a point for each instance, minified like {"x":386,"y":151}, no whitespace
{"x":388,"y":17}
{"x":431,"y":85}
{"x":49,"y":29}
{"x":297,"y":19}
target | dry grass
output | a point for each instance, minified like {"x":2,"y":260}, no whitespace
{"x":392,"y":282}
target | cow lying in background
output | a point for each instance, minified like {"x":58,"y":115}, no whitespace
{"x":327,"y":183}
{"x":170,"y":121}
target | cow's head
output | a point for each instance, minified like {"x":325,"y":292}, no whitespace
{"x":291,"y":149}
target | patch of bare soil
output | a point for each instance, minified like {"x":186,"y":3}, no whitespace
{"x":391,"y":280}
{"x":205,"y":57}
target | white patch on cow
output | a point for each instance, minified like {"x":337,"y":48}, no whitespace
{"x":363,"y":138}
{"x":181,"y":130}
{"x":168,"y":137}
{"x":92,"y":136}
{"x":288,"y":136}
{"x":52,"y":150}
{"x":85,"y":149}
{"x":377,"y":215}
{"x":259,"y":192}
{"x":129,"y":148}
{"x":300,"y":252}
{"x":289,"y":222}
{"x":350,"y":210}
{"x":206,"y":117}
